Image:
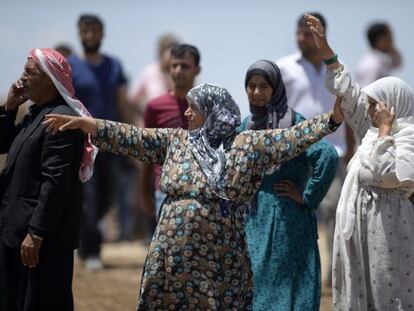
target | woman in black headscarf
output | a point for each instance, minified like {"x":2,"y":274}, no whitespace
{"x":281,"y":228}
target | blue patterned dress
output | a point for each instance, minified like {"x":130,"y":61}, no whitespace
{"x":282,"y":234}
{"x":198,"y":257}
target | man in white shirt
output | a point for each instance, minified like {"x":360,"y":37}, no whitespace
{"x":381,"y":58}
{"x":304,"y":75}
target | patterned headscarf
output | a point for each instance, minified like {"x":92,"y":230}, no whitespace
{"x":270,"y":116}
{"x":53,"y":64}
{"x":210,"y":141}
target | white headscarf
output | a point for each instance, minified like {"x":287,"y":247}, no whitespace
{"x":394,"y":92}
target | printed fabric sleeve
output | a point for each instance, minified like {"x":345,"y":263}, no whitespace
{"x":354,"y":105}
{"x":147,"y":145}
{"x":278,"y":145}
{"x":323,"y":159}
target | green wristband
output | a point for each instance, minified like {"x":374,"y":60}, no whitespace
{"x":331,"y":60}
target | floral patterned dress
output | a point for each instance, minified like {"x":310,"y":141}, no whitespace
{"x":198,"y":258}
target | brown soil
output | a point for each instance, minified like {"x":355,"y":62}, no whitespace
{"x":116,"y":287}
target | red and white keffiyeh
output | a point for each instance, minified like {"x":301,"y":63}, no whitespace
{"x":58,"y":69}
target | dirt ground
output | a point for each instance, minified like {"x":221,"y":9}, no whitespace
{"x":116,"y":287}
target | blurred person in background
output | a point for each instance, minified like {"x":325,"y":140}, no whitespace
{"x":281,"y":227}
{"x":304,"y":75}
{"x":64,"y":49}
{"x":167,"y":111}
{"x":151,"y":82}
{"x":382,"y":57}
{"x":100,"y":83}
{"x":154,"y":80}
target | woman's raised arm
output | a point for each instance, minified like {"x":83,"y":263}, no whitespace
{"x":339,"y":81}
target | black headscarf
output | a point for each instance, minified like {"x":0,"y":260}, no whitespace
{"x":275,"y":113}
{"x":268,"y":117}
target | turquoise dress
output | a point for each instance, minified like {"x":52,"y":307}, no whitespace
{"x":282,"y":234}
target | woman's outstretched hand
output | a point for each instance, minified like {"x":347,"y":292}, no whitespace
{"x":59,"y":123}
{"x":384,"y":118}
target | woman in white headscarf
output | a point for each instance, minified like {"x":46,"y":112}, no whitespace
{"x":373,"y":264}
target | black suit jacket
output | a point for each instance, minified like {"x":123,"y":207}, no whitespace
{"x":40,"y":191}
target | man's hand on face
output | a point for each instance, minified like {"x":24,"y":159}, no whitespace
{"x":17,"y":96}
{"x":29,"y":251}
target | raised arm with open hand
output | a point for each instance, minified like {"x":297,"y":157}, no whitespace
{"x":319,"y":36}
{"x":57,"y":122}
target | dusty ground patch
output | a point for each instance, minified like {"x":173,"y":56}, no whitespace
{"x":116,"y":287}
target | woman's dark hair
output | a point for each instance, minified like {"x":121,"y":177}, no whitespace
{"x":376,"y":31}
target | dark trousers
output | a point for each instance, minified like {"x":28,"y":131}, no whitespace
{"x":99,"y":194}
{"x":48,"y":287}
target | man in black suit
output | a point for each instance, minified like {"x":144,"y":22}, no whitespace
{"x":40,"y":190}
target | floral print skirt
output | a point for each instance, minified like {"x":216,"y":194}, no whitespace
{"x":197,"y":260}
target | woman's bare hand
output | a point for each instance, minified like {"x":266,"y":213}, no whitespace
{"x":286,"y":188}
{"x":384,"y":118}
{"x":319,"y":36}
{"x":59,"y":123}
{"x":318,"y":31}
